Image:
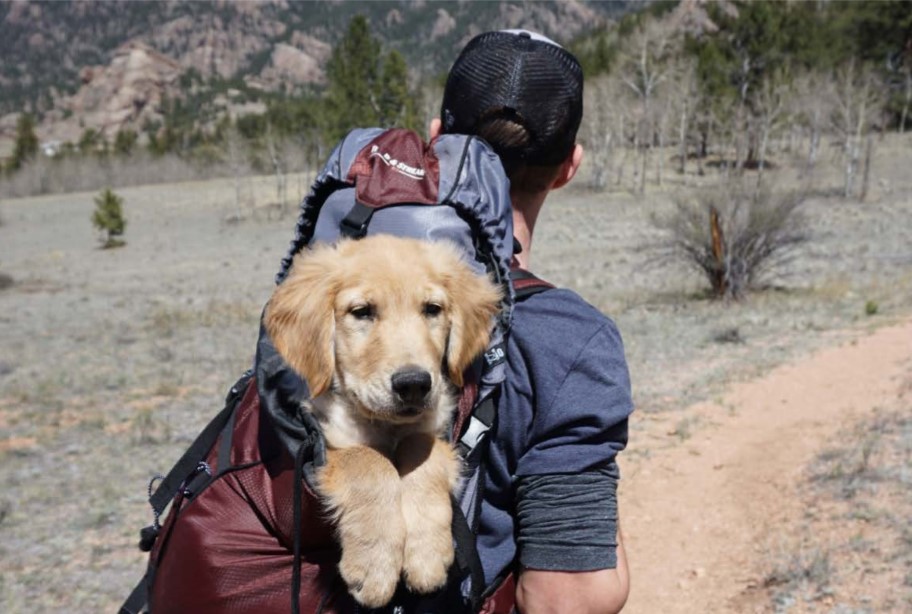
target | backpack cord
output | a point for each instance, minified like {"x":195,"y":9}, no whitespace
{"x":296,"y":516}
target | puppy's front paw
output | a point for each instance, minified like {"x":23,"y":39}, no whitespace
{"x":371,"y":573}
{"x":429,"y":471}
{"x":361,"y":487}
{"x":428,"y":556}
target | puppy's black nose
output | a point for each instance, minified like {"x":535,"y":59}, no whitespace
{"x":411,"y":385}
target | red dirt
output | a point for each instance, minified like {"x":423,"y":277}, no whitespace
{"x":700,"y":513}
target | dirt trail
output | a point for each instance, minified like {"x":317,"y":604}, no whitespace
{"x":701,"y":512}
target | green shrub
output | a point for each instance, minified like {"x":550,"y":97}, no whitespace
{"x":108,"y":217}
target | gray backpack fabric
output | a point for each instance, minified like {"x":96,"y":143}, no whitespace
{"x":469,"y":206}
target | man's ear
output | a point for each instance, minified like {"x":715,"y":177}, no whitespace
{"x":434,"y":128}
{"x":569,"y":167}
{"x":300,"y":318}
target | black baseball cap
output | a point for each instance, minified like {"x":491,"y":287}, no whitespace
{"x":522,"y":76}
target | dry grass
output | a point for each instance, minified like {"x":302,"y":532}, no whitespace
{"x":853,"y":552}
{"x":802,"y":575}
{"x":114,"y":360}
{"x":167,"y":321}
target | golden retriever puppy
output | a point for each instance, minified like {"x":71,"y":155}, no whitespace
{"x":382,"y":329}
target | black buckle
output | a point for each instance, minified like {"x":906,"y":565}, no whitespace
{"x":354,"y":225}
{"x":200,"y":476}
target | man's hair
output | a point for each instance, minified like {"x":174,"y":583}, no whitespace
{"x":523,"y":94}
{"x":505,"y":134}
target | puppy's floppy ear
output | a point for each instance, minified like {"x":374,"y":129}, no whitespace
{"x":474,"y":300}
{"x":300,"y":317}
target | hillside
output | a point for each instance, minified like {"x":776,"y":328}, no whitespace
{"x":107,"y":65}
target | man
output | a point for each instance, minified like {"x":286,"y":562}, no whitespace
{"x":551,"y":485}
{"x":252,"y":539}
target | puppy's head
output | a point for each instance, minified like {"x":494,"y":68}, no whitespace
{"x":384,"y":321}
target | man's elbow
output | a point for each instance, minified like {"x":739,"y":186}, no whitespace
{"x":552,"y":592}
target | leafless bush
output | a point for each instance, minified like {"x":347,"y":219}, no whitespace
{"x":733,"y":236}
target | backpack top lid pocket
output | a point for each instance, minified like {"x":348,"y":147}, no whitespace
{"x":391,"y":182}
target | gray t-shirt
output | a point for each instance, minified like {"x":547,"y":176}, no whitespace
{"x":550,"y":479}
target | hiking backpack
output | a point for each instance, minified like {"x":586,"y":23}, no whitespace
{"x":245,"y":531}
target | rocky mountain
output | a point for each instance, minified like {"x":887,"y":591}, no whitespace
{"x":107,"y":65}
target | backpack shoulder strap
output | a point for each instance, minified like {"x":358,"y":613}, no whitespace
{"x":187,"y":466}
{"x":480,"y":416}
{"x":525,"y":283}
{"x":198,"y":450}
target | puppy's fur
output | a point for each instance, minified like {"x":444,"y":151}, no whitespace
{"x":382,"y":330}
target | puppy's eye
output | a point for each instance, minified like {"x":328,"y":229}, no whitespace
{"x":432,"y":310}
{"x":362,"y":312}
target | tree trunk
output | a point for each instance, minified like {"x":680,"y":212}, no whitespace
{"x":602,"y":170}
{"x":682,"y":141}
{"x":720,"y":281}
{"x":237,"y":195}
{"x":704,"y":147}
{"x":740,"y":128}
{"x":622,"y":134}
{"x":906,"y":102}
{"x":814,"y":146}
{"x":644,"y":160}
{"x":854,"y":147}
{"x":850,"y":155}
{"x":764,"y":141}
{"x":869,"y":146}
{"x":660,"y":161}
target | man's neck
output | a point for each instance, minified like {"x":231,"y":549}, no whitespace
{"x":526,"y":208}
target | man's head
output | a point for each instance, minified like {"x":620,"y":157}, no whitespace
{"x":523,"y":94}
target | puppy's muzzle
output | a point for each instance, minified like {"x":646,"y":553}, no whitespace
{"x":411,"y":386}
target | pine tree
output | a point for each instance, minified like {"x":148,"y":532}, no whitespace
{"x":398,"y":106}
{"x":90,"y":141}
{"x":108,"y":217}
{"x":353,"y":78}
{"x":125,"y":141}
{"x":26,"y":145}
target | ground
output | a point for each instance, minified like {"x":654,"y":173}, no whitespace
{"x":715,"y":522}
{"x":752,"y":481}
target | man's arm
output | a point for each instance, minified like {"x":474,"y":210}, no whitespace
{"x":588,"y":592}
{"x":566,"y":506}
{"x":570,"y":548}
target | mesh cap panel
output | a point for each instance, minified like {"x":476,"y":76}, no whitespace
{"x":523,"y":77}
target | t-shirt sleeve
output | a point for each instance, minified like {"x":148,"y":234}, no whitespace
{"x":568,"y":522}
{"x":581,"y":422}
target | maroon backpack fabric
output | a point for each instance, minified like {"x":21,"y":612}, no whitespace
{"x":230,"y":548}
